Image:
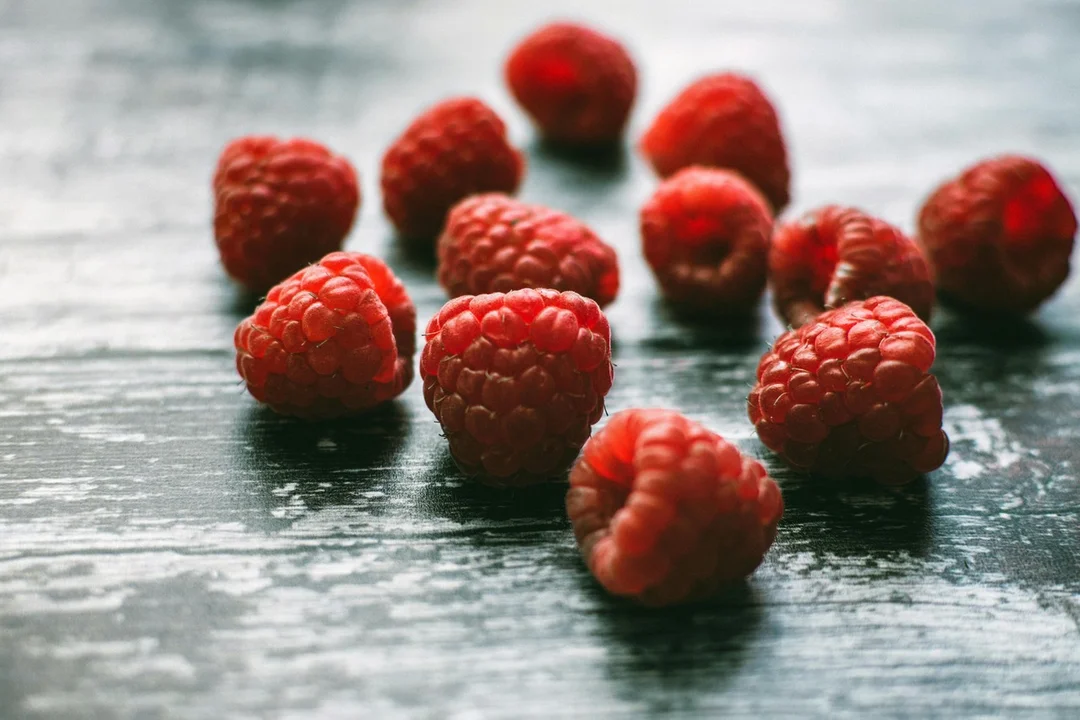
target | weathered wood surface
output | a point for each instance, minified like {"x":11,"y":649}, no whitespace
{"x":167,"y":549}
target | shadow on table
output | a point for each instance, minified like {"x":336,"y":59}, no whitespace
{"x":858,"y":518}
{"x":684,"y":330}
{"x":448,"y":494}
{"x":671,"y":655}
{"x":242,"y":302}
{"x":326,"y":463}
{"x":601,"y":163}
{"x":1007,"y":335}
{"x":411,"y":255}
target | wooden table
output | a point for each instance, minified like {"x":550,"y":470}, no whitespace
{"x":168,"y":549}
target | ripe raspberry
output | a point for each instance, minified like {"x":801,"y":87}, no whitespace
{"x":706,"y":236}
{"x":722,"y":120}
{"x":577,"y":84}
{"x":666,"y":511}
{"x":851,"y":395}
{"x":494,"y":243}
{"x":517,"y":380}
{"x":999,"y":236}
{"x":279,"y":205}
{"x":334,"y":339}
{"x":452,"y":150}
{"x":835,"y":255}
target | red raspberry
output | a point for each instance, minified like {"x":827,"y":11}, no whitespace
{"x":279,"y":205}
{"x":999,"y":236}
{"x":517,"y":380}
{"x":494,"y":243}
{"x":851,"y":395}
{"x":334,"y":339}
{"x":835,"y":255}
{"x":666,"y":511}
{"x":706,"y":236}
{"x":722,"y":120}
{"x":577,"y":84}
{"x":452,"y":150}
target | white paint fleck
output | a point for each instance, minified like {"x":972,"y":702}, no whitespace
{"x":971,"y":431}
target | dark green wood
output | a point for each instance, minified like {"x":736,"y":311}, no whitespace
{"x":168,"y":549}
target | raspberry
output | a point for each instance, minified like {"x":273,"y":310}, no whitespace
{"x":334,"y":339}
{"x":517,"y":380}
{"x":722,"y":120}
{"x":835,"y":255}
{"x":452,"y":150}
{"x":279,"y":205}
{"x":666,"y":511}
{"x":577,"y":84}
{"x":706,"y":236}
{"x":999,"y":236}
{"x":494,"y":243}
{"x":850,"y":395}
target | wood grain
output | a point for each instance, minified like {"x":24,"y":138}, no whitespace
{"x":167,"y":549}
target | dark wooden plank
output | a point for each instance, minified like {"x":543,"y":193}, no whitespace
{"x":169,"y":549}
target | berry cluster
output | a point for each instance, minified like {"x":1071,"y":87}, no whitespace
{"x":517,"y":365}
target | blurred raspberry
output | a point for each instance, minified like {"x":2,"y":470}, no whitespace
{"x":280,"y":205}
{"x":517,"y":380}
{"x":851,"y":395}
{"x":334,"y":339}
{"x":834,"y":255}
{"x":722,"y":120}
{"x":999,"y":236}
{"x":666,"y":511}
{"x":706,"y":236}
{"x":577,"y":84}
{"x":494,"y":243}
{"x":454,"y":149}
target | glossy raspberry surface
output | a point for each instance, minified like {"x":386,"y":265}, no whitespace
{"x":834,"y":255}
{"x":452,"y":150}
{"x":705,"y":233}
{"x":494,"y":243}
{"x":517,"y":380}
{"x":722,"y":120}
{"x":999,"y":236}
{"x":279,"y":205}
{"x":666,"y":511}
{"x":336,"y":338}
{"x":851,"y":395}
{"x":577,"y":84}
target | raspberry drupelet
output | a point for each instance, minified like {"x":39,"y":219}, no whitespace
{"x":666,"y":511}
{"x":279,"y":205}
{"x":834,"y":255}
{"x":722,"y":120}
{"x":494,"y":243}
{"x":517,"y":380}
{"x":336,"y":338}
{"x":577,"y":84}
{"x":850,"y":395}
{"x":999,"y":236}
{"x":452,"y":150}
{"x":705,"y":233}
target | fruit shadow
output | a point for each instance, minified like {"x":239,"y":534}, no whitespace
{"x":241,"y":302}
{"x":448,"y":493}
{"x":679,"y":330}
{"x":322,"y":464}
{"x":609,"y":161}
{"x":983,"y":361}
{"x":412,"y":255}
{"x":1006,"y":335}
{"x":679,"y":652}
{"x":857,"y":518}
